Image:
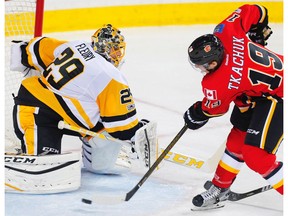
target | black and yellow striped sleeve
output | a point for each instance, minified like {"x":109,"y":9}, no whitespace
{"x":117,"y":110}
{"x":40,"y":52}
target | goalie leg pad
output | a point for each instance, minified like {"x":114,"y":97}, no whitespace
{"x":146,"y":144}
{"x":103,"y":156}
{"x":42,"y":174}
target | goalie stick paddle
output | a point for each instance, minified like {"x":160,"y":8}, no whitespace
{"x":234,"y":196}
{"x":63,"y":125}
{"x":131,"y":193}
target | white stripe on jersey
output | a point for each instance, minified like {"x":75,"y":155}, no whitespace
{"x":120,"y":123}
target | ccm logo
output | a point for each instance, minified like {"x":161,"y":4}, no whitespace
{"x":184,"y":160}
{"x":16,"y":159}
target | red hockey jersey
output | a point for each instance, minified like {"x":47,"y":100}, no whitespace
{"x":247,"y":68}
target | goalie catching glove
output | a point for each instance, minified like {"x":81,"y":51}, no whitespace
{"x":19,"y":59}
{"x":194,"y":116}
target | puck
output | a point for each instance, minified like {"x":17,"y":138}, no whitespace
{"x":87,"y":201}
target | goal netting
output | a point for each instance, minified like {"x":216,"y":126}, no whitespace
{"x":23,"y":21}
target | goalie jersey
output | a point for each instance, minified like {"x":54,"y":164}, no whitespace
{"x":80,"y":85}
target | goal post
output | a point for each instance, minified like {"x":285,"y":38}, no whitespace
{"x":39,"y":14}
{"x":23,"y":21}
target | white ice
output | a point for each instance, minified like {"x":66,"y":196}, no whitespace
{"x":164,"y":86}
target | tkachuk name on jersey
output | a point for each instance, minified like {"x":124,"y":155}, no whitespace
{"x":238,"y":61}
{"x":85,"y":52}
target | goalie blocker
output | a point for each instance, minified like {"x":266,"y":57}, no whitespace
{"x":42,"y":174}
{"x":146,"y":144}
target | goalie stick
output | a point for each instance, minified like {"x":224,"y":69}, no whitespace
{"x":63,"y":125}
{"x":234,"y":196}
{"x":131,"y":193}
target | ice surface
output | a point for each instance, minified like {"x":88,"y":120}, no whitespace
{"x":164,"y":86}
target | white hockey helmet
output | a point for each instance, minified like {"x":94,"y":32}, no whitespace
{"x":108,"y":42}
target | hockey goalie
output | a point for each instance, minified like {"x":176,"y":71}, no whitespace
{"x":80,"y":83}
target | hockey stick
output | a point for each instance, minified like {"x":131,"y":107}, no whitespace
{"x":63,"y":125}
{"x":238,"y":196}
{"x":132,"y":192}
{"x":234,"y":196}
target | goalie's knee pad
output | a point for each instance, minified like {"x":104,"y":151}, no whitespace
{"x":42,"y":174}
{"x":105,"y":156}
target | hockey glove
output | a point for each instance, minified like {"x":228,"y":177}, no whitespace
{"x":244,"y":103}
{"x":141,"y":123}
{"x":19,"y":57}
{"x":194,"y":116}
{"x":260,"y":36}
{"x":260,"y":32}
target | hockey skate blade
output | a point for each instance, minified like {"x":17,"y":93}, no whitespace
{"x":211,"y":207}
{"x":104,"y":200}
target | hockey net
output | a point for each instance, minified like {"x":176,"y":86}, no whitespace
{"x":23,"y":21}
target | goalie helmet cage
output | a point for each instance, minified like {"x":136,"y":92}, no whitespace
{"x":23,"y":21}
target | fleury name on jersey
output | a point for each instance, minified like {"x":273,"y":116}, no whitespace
{"x":86,"y":53}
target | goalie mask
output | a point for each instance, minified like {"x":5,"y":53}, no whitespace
{"x":108,"y":42}
{"x":204,"y":50}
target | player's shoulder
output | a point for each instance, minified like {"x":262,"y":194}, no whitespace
{"x":217,"y":81}
{"x":75,"y":44}
{"x":216,"y":78}
{"x":211,"y":82}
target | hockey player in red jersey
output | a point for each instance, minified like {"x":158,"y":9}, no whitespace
{"x":239,"y":68}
